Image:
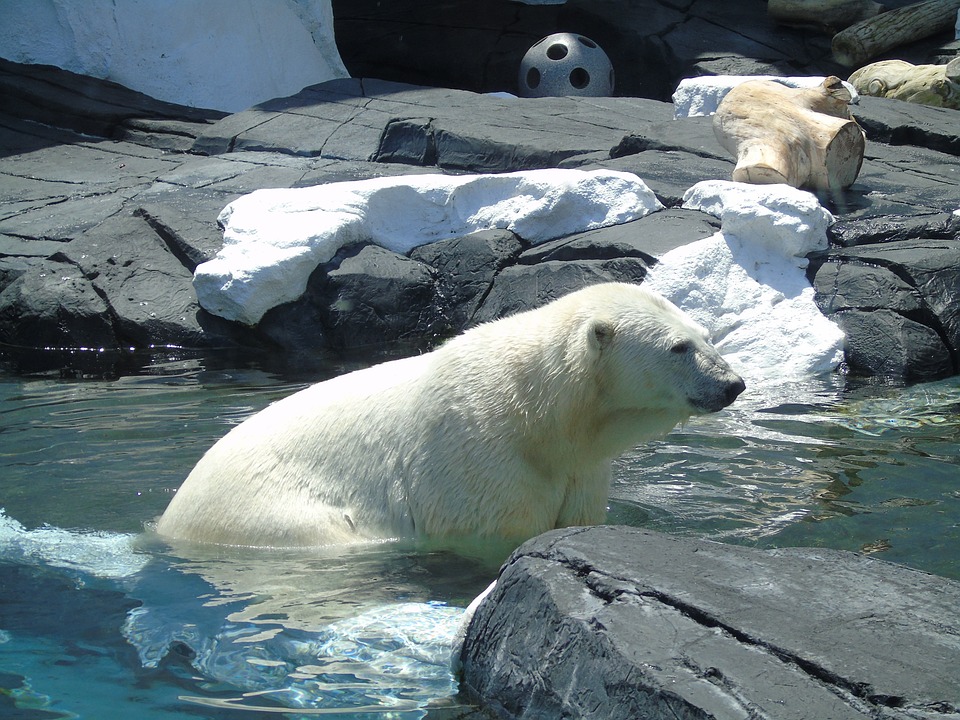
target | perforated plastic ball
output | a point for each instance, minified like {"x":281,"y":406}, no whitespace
{"x":565,"y":64}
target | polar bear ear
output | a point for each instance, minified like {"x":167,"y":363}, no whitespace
{"x":599,"y":334}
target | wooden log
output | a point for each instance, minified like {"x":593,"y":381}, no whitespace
{"x":801,"y":137}
{"x":868,"y":38}
{"x":827,"y":15}
{"x":934,"y":85}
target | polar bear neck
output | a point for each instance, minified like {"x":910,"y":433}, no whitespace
{"x":541,"y":392}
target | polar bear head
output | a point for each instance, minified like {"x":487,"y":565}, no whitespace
{"x":653,"y":366}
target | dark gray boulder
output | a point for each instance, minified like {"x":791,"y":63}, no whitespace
{"x":623,"y":623}
{"x":897,"y":301}
{"x":866,"y":231}
{"x":465,"y":269}
{"x":376,"y":297}
{"x":366,"y":298}
{"x":884,"y":343}
{"x":522,"y":287}
{"x":902,"y":123}
{"x":621,"y":253}
{"x":52,"y":305}
{"x":647,"y":238}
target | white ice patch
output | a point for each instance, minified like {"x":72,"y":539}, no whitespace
{"x":702,"y":95}
{"x":274,"y":239}
{"x":747,"y":285}
{"x":103,"y":555}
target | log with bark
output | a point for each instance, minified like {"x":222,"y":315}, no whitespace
{"x":826,"y":15}
{"x":804,"y":137}
{"x":871,"y":37}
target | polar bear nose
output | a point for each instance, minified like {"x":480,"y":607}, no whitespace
{"x":733,"y":390}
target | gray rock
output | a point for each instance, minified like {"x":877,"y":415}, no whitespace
{"x":673,"y":156}
{"x":864,"y":231}
{"x":465,"y":269}
{"x":647,"y":238}
{"x":902,"y":123}
{"x":52,"y":305}
{"x":376,"y":297}
{"x":887,"y":344}
{"x":899,"y":181}
{"x":897,"y":303}
{"x":848,"y":286}
{"x":522,"y":287}
{"x":193,"y":237}
{"x":148,"y":291}
{"x":623,"y":623}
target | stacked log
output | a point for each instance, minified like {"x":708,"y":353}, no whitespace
{"x":804,"y":137}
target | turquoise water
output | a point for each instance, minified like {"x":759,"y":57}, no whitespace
{"x":100,"y":619}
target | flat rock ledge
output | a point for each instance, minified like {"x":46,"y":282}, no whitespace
{"x":611,"y":622}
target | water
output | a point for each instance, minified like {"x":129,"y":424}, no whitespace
{"x":101,"y":619}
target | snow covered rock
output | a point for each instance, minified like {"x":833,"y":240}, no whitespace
{"x":274,"y":239}
{"x":747,"y":283}
{"x":698,"y":96}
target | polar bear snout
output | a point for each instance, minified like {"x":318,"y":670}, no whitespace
{"x":725,"y":392}
{"x":732,"y":391}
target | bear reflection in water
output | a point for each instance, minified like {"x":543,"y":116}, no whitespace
{"x":504,"y":432}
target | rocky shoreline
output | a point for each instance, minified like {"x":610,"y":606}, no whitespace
{"x":111,"y":200}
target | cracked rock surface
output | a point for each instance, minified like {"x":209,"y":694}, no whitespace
{"x":622,"y":623}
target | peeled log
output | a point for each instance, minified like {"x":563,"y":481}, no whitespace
{"x":829,"y":15}
{"x":934,"y":85}
{"x":801,"y":137}
{"x":868,"y":38}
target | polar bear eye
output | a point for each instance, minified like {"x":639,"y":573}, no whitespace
{"x":681,"y":348}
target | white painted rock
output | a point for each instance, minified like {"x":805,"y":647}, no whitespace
{"x":702,"y":95}
{"x":747,"y":285}
{"x":182,"y":51}
{"x":274,"y":239}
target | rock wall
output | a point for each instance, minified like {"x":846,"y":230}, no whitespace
{"x":99,"y":240}
{"x":653,"y":44}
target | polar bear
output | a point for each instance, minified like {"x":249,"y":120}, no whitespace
{"x":503,"y":432}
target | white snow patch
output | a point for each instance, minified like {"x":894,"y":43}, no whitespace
{"x":274,"y":239}
{"x":747,"y":285}
{"x":220,"y":54}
